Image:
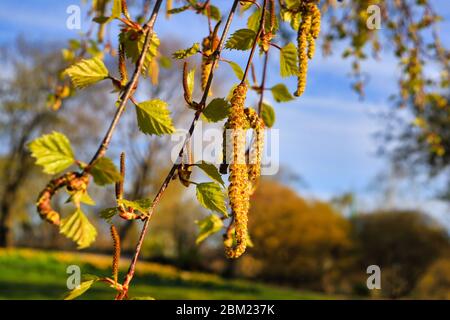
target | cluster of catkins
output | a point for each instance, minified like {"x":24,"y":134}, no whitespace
{"x":244,"y":168}
{"x":308,"y":32}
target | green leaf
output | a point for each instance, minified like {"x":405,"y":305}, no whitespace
{"x":211,"y":196}
{"x":241,"y":39}
{"x":141,"y":205}
{"x":217,"y":110}
{"x":154,"y":118}
{"x":142,"y":298}
{"x":236,"y":69}
{"x":87,"y":72}
{"x":288,"y":60}
{"x":208,"y":226}
{"x":81,"y":196}
{"x":105,"y":172}
{"x":268,"y":115}
{"x":183,"y":54}
{"x":281,"y":93}
{"x":53,"y":152}
{"x":214,"y":13}
{"x":211,"y":171}
{"x":78,"y":228}
{"x":133,"y":43}
{"x":255,"y":18}
{"x":108,"y":213}
{"x":78,"y":291}
{"x":116,"y":9}
{"x":165,"y":62}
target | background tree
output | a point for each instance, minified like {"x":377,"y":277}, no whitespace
{"x":403,"y":244}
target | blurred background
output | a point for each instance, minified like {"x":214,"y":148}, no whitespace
{"x":361,"y":182}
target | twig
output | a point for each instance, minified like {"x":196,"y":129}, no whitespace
{"x":216,"y":57}
{"x":263,"y":83}
{"x":130,"y":88}
{"x":255,"y":42}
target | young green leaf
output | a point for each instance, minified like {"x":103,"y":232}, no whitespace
{"x":281,"y":93}
{"x":78,"y":291}
{"x":288,"y":60}
{"x":108,"y":213}
{"x":81,"y":196}
{"x":214,"y":13}
{"x":105,"y":172}
{"x":211,"y":171}
{"x":208,"y":226}
{"x":154,"y":118}
{"x":78,"y":228}
{"x":141,"y":205}
{"x":133,"y":43}
{"x":116,"y":9}
{"x":236,"y":69}
{"x":268,"y":115}
{"x":53,"y":152}
{"x":186,"y":53}
{"x":255,"y":18}
{"x":241,"y":39}
{"x":217,"y":110}
{"x":211,"y":196}
{"x":87,"y":72}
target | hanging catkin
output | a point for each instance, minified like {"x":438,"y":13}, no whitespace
{"x":307,"y":33}
{"x":256,"y":149}
{"x":238,"y":190}
{"x":116,"y":255}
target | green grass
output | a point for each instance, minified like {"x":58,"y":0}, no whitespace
{"x":30,"y":274}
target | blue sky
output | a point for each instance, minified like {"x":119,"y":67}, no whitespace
{"x":326,"y":135}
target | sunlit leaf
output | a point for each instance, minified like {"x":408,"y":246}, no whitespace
{"x":241,"y":39}
{"x":183,"y":54}
{"x":268,"y":115}
{"x":87,"y":72}
{"x":53,"y":152}
{"x":211,"y":171}
{"x":281,"y":93}
{"x":217,"y":110}
{"x":208,"y":226}
{"x":288,"y":60}
{"x":154,"y":118}
{"x":105,"y":172}
{"x":78,"y":228}
{"x":78,"y":291}
{"x":211,"y":196}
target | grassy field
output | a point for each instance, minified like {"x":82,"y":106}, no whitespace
{"x":30,"y":274}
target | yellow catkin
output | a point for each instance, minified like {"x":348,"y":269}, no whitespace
{"x":256,"y":150}
{"x":311,"y":46}
{"x":302,"y":40}
{"x":116,"y":255}
{"x":307,"y":33}
{"x":238,"y":190}
{"x":209,"y":45}
{"x":315,"y":21}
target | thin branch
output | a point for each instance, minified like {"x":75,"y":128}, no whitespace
{"x":255,"y":42}
{"x":263,"y":83}
{"x":216,"y":57}
{"x":130,"y":87}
